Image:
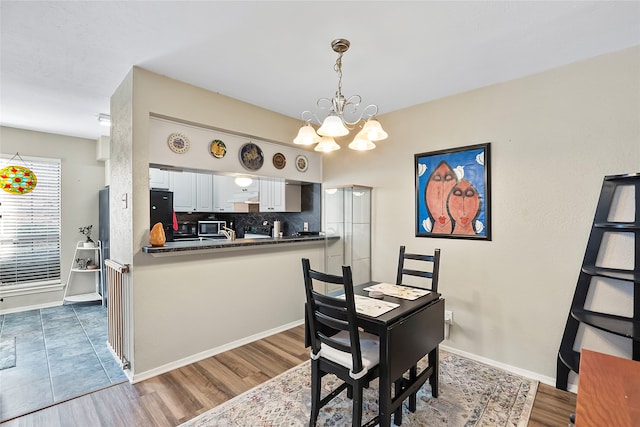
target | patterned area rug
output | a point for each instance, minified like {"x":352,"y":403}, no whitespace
{"x":471,"y":394}
{"x":7,"y":352}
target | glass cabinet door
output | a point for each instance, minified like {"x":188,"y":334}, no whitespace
{"x":347,"y":214}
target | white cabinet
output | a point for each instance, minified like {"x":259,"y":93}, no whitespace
{"x":86,"y":261}
{"x":183,"y":185}
{"x":223,"y":189}
{"x":204,"y":192}
{"x":158,"y":179}
{"x":192,"y":192}
{"x":277,"y":196}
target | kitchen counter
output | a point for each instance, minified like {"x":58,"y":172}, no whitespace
{"x":216,"y":245}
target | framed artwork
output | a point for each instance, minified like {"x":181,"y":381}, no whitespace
{"x":453,"y":193}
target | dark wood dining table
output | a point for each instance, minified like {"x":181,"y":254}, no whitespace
{"x":407,"y":333}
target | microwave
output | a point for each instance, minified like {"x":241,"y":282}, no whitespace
{"x":211,"y":228}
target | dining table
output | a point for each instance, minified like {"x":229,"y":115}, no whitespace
{"x":409,"y":330}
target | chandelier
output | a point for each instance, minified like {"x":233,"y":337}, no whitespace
{"x":335,"y":124}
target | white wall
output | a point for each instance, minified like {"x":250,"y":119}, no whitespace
{"x":82,"y":178}
{"x":554,"y":136}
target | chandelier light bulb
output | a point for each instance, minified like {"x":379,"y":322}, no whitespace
{"x":333,"y":126}
{"x":306,"y":135}
{"x":327,"y":144}
{"x":361,"y":143}
{"x":373,"y":130}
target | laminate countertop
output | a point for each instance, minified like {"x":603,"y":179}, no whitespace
{"x":214,"y":245}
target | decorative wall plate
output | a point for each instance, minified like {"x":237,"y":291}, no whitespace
{"x":17,"y":179}
{"x":217,"y":148}
{"x":178,"y":143}
{"x":301,"y":163}
{"x":251,"y":156}
{"x":279,"y":161}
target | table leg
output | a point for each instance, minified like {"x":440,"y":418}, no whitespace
{"x":384,"y":382}
{"x":434,"y":361}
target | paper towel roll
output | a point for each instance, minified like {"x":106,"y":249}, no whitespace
{"x":276,"y":228}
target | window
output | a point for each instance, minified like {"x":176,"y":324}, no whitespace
{"x":30,"y":228}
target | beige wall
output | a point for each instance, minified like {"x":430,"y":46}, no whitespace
{"x":554,"y":137}
{"x":190,"y":306}
{"x":82,"y":178}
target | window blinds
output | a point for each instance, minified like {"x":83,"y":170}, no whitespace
{"x":30,"y":228}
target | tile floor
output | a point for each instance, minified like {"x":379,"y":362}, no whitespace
{"x":61,"y":352}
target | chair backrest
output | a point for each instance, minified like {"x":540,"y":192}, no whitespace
{"x":328,"y":315}
{"x":432,"y":273}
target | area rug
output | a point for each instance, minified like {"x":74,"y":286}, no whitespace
{"x":7,"y":352}
{"x":471,"y":394}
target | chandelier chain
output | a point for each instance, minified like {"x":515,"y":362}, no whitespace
{"x":338,"y":69}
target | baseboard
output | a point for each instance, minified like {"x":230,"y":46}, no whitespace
{"x":211,"y":352}
{"x":31,"y":307}
{"x":513,"y":369}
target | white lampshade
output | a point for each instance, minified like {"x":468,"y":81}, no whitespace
{"x":243,"y":181}
{"x":306,"y":135}
{"x":361,"y":143}
{"x":373,"y":130}
{"x":327,"y":144}
{"x":333,"y":126}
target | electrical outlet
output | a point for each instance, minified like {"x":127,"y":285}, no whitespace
{"x":448,"y":317}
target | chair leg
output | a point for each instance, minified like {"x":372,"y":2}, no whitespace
{"x":357,"y":406}
{"x":316,"y":383}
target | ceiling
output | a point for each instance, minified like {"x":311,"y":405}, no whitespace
{"x":61,"y":61}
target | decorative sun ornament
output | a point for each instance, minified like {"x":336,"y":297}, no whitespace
{"x":17,"y":179}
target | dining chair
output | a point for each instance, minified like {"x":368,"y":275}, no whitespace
{"x":431,"y":272}
{"x":337,"y":346}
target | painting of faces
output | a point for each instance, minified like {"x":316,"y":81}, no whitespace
{"x":452,"y":193}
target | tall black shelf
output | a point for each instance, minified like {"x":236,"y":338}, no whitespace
{"x":629,"y":327}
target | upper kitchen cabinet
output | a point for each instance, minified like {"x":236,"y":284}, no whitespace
{"x":223,"y":188}
{"x":192,"y":192}
{"x":158,"y":179}
{"x":204,"y":192}
{"x":277,"y":196}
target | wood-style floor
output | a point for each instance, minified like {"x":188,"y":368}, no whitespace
{"x":177,"y":396}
